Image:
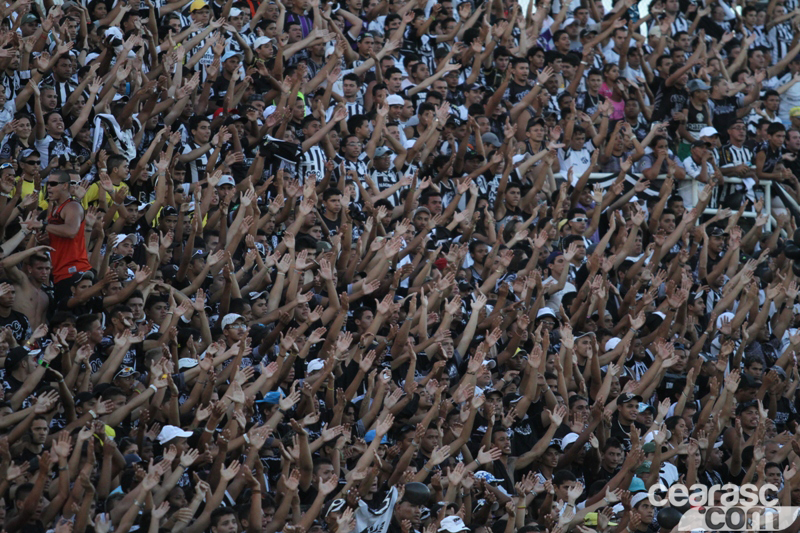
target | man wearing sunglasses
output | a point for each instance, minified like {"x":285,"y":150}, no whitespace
{"x":29,"y":166}
{"x":65,"y":227}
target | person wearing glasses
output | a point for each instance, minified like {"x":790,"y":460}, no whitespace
{"x":234,"y":328}
{"x":65,"y":228}
{"x":29,"y":165}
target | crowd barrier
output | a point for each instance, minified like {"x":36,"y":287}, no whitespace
{"x":697,"y":186}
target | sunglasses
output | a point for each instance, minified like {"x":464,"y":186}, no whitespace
{"x":31,"y":162}
{"x":580,"y":219}
{"x":238,"y":326}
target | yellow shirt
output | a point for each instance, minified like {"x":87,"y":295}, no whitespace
{"x":27,"y":188}
{"x":93,"y":196}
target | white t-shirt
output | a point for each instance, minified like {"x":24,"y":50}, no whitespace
{"x":554,"y":302}
{"x":693,"y":170}
{"x":578,"y":160}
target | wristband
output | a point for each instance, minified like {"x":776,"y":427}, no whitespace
{"x":246,"y":438}
{"x":44,"y":363}
{"x":208,"y":430}
{"x":155,"y":389}
{"x":94,"y":415}
{"x":282,"y":411}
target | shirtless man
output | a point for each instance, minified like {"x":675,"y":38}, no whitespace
{"x":32,"y":301}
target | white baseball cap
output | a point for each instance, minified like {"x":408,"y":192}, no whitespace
{"x":229,"y":319}
{"x":261,"y":41}
{"x":172,"y":432}
{"x":314,"y":365}
{"x":453,"y":524}
{"x":226,"y":179}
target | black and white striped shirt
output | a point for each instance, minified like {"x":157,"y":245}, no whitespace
{"x":385,"y":179}
{"x":361,"y":166}
{"x":761,"y":39}
{"x":780,"y":38}
{"x":63,"y":89}
{"x":353,"y":108}
{"x":313,"y":161}
{"x":731,"y":156}
{"x":197,"y":166}
{"x":13,"y":82}
{"x":681,"y":23}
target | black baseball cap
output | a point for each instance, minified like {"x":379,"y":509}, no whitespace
{"x":626,"y":397}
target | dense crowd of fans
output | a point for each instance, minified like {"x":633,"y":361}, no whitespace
{"x":394,"y":266}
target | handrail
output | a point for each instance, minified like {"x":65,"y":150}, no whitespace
{"x":696,"y":185}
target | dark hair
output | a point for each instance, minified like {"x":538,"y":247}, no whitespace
{"x":321,"y":461}
{"x":308,"y":119}
{"x":672,"y":421}
{"x":60,"y":318}
{"x":83,"y":322}
{"x":153,"y":300}
{"x":612,"y":442}
{"x":218,"y":513}
{"x":115,"y":161}
{"x":562,"y":476}
{"x":196,"y":120}
{"x":517,"y":61}
{"x":355,"y":122}
{"x":750,"y":360}
{"x":425,"y":106}
{"x":775,"y":127}
{"x":110,"y":392}
{"x":391,"y":71}
{"x":330,"y":193}
{"x":661,"y":59}
{"x":117,"y":309}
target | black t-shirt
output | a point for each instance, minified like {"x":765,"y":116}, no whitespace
{"x":786,"y":414}
{"x":587,"y":103}
{"x":723,"y":113}
{"x":516,"y":92}
{"x":10,"y":385}
{"x":669,"y":100}
{"x":622,"y":432}
{"x":18,"y":324}
{"x":332,"y":225}
{"x":656,"y":84}
{"x":696,"y":118}
{"x":773,"y":157}
{"x":601,"y":474}
{"x":524,"y":438}
{"x":96,"y":359}
{"x":93,"y":305}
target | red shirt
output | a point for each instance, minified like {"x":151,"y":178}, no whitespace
{"x":69,"y":256}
